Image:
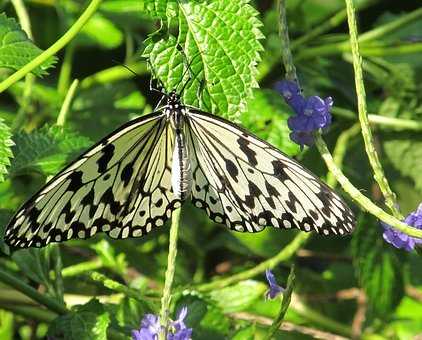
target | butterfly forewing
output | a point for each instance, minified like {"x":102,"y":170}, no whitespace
{"x":120,"y":186}
{"x":247,"y":184}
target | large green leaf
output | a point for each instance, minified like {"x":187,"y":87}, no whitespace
{"x":45,"y":150}
{"x":220,"y":41}
{"x":404,"y":150}
{"x":379,"y":268}
{"x":16,"y":49}
{"x":5,"y":148}
{"x":86,"y":322}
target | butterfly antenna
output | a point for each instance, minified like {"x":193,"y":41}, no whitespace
{"x":192,"y":76}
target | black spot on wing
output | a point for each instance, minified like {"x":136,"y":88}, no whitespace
{"x":250,"y":154}
{"x":75,"y":181}
{"x":278,"y":168}
{"x":159,"y":203}
{"x":254,"y":192}
{"x":107,"y":155}
{"x":126,"y":174}
{"x":232,"y":169}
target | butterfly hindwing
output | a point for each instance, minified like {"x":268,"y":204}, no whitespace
{"x":120,"y":186}
{"x":247,"y":184}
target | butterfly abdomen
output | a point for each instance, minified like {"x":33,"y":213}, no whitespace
{"x":181,"y":176}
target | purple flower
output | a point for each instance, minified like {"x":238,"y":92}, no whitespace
{"x":180,"y":331}
{"x":401,"y":240}
{"x":275,"y":289}
{"x":311,"y":114}
{"x":150,"y":328}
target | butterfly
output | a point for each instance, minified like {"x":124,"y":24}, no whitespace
{"x":130,"y":182}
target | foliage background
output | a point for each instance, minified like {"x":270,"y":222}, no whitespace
{"x":354,"y":286}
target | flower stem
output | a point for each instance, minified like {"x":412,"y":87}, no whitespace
{"x":286,"y":53}
{"x":61,"y":119}
{"x":53,"y":49}
{"x":171,"y":266}
{"x":358,"y":197}
{"x":25,"y":23}
{"x":284,"y":255}
{"x":66,"y":69}
{"x":22,"y":287}
{"x":287,"y":296}
{"x":390,"y":198}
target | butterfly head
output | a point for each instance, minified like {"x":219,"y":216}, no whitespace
{"x":175,"y":110}
{"x":173,"y":100}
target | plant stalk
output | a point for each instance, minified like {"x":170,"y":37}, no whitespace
{"x":53,"y":49}
{"x":171,"y":266}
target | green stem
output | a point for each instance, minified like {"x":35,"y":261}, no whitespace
{"x":286,"y":53}
{"x":30,"y":312}
{"x":390,"y":198}
{"x":121,"y":288}
{"x":61,"y":119}
{"x":17,"y":284}
{"x":395,"y":123}
{"x":81,"y":268}
{"x":382,"y":121}
{"x":171,"y":266}
{"x":358,"y":197}
{"x":66,"y":69}
{"x":392,"y":26}
{"x":287,"y":295}
{"x":53,"y":49}
{"x":25,"y":23}
{"x":340,"y":151}
{"x":368,"y":37}
{"x":25,"y":102}
{"x":23,"y":17}
{"x":284,"y":255}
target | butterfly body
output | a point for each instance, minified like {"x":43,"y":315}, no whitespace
{"x":131,"y":181}
{"x":181,"y":169}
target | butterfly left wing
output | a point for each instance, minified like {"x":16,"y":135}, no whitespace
{"x":247,"y":184}
{"x":121,"y":186}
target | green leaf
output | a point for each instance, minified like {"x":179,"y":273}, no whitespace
{"x":380,"y":269}
{"x":86,"y":322}
{"x":404,"y":150}
{"x":160,"y":9}
{"x":46,"y":150}
{"x":267,"y":116}
{"x":220,"y":41}
{"x":16,"y":49}
{"x":238,"y":297}
{"x":205,"y":317}
{"x":6,"y":144}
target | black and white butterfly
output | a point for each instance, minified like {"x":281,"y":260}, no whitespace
{"x":131,"y":182}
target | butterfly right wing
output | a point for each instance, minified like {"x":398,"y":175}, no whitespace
{"x":121,"y":186}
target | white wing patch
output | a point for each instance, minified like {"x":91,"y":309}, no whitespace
{"x":121,"y":186}
{"x":247,"y":184}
